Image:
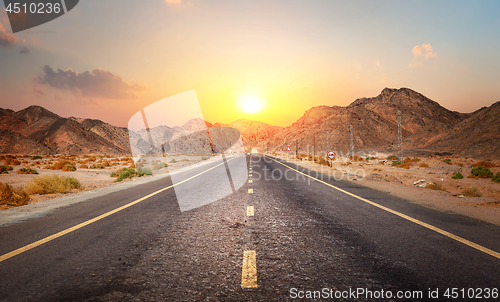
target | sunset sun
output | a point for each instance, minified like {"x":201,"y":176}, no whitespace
{"x":251,"y":104}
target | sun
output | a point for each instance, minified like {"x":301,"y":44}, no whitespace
{"x":251,"y":104}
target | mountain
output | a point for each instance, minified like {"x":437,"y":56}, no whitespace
{"x":426,"y":126}
{"x":253,"y":133}
{"x":477,"y":136}
{"x":36,"y":130}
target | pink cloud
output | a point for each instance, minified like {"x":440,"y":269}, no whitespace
{"x":6,"y":39}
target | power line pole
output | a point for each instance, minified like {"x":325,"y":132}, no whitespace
{"x":400,"y":136}
{"x":327,"y":142}
{"x":314,"y":148}
{"x":352,"y":142}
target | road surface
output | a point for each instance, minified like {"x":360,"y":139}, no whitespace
{"x":306,"y":237}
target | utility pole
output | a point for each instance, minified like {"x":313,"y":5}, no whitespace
{"x":327,"y":142}
{"x":296,"y":148}
{"x":352,"y":143}
{"x":314,"y":148}
{"x":400,"y":136}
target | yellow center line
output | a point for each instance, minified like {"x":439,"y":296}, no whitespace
{"x":250,"y":190}
{"x":250,"y":181}
{"x":250,"y":211}
{"x":249,"y":270}
{"x":426,"y":225}
{"x":81,"y":225}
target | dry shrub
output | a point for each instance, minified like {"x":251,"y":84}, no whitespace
{"x":91,"y":158}
{"x":132,"y":166}
{"x":51,"y":184}
{"x":12,"y":161}
{"x":64,"y":165}
{"x":460,"y":164}
{"x":435,"y":186}
{"x":26,"y":171}
{"x":106,"y":163}
{"x":114,"y":160}
{"x":5,"y":169}
{"x":84,"y":166}
{"x":424,"y":165}
{"x":69,"y":167}
{"x":11,"y":197}
{"x":405,"y":165}
{"x":472,"y":191}
{"x":484,"y":164}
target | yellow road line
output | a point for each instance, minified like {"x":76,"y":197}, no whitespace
{"x":81,"y":225}
{"x":250,"y":211}
{"x":250,"y":181}
{"x":426,"y":225}
{"x":250,"y":175}
{"x":250,"y":190}
{"x":249,"y":270}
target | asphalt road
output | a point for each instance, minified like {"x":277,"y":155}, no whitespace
{"x":307,"y":236}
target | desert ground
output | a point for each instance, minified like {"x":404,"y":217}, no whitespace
{"x":424,"y":180}
{"x":92,"y":171}
{"x":436,"y":189}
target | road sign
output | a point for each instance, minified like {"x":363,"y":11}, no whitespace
{"x":288,"y":148}
{"x":331,"y":155}
{"x":281,"y":149}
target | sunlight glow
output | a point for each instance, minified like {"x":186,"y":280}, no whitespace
{"x":251,"y":104}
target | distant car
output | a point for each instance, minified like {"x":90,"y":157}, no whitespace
{"x":248,"y":153}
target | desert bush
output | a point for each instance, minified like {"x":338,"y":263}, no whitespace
{"x":158,"y":166}
{"x":435,"y":186}
{"x":496,"y":178}
{"x":26,"y":171}
{"x":11,"y":197}
{"x":392,"y":156}
{"x":58,"y":165}
{"x":173,"y":161}
{"x":106,"y":163}
{"x":12,"y":162}
{"x":145,"y":171}
{"x":484,"y":164}
{"x":424,"y":165}
{"x":457,"y":175}
{"x":460,"y":164}
{"x":480,"y":172}
{"x":204,"y":158}
{"x":36,"y":157}
{"x":128,"y":173}
{"x":68,"y":167}
{"x":404,"y":165}
{"x":91,"y":158}
{"x":447,"y":160}
{"x":84,"y":166}
{"x":5,"y":169}
{"x":396,"y":163}
{"x":97,"y":166}
{"x":472,"y":191}
{"x":51,"y":184}
{"x":113,"y":174}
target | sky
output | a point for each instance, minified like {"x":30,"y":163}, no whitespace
{"x":109,"y":59}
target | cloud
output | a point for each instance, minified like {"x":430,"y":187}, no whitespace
{"x":24,"y":50}
{"x":417,"y":51}
{"x":36,"y":90}
{"x":428,"y":51}
{"x":6,"y":39}
{"x":98,"y":83}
